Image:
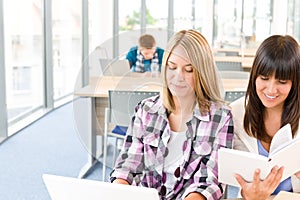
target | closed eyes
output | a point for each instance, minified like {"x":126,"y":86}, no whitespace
{"x":187,"y":68}
{"x":265,"y":78}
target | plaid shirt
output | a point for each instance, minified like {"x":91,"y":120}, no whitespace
{"x":142,"y":157}
{"x":139,"y":64}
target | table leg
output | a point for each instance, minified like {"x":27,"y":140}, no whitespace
{"x":89,"y":137}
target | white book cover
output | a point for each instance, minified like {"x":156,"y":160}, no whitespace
{"x":284,"y":151}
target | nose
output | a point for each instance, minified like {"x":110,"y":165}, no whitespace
{"x":179,"y":74}
{"x":272,"y":87}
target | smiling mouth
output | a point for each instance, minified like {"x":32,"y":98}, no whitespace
{"x":270,"y":97}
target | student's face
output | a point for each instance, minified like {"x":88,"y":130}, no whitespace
{"x":180,"y":74}
{"x":272,"y":92}
{"x":148,"y":53}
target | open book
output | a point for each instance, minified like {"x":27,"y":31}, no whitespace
{"x":284,"y":151}
{"x":283,"y":195}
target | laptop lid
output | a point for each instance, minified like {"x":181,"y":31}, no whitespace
{"x":116,"y":68}
{"x":62,"y":188}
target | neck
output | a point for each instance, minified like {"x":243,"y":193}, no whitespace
{"x":184,"y":105}
{"x":272,"y":121}
{"x":182,"y":114}
{"x":273,"y":113}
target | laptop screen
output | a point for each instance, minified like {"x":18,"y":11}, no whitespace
{"x":62,"y":188}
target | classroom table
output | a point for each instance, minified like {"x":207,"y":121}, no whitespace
{"x":96,"y":100}
{"x":246,"y":61}
{"x":241,"y":52}
{"x":96,"y":96}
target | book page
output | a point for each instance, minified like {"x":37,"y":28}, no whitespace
{"x":283,"y":195}
{"x":282,"y":138}
{"x":284,"y":153}
{"x":287,"y":157}
{"x":231,"y":161}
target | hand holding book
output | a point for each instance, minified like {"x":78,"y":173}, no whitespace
{"x":282,"y":149}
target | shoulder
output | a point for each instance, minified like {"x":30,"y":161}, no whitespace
{"x":151,"y":105}
{"x":238,"y":112}
{"x":238,"y":105}
{"x":242,"y":141}
{"x":220,"y":110}
{"x":160,"y":51}
{"x":218,"y":114}
{"x":132,"y":51}
{"x":133,"y":48}
{"x":217,"y":122}
{"x":298,"y":132}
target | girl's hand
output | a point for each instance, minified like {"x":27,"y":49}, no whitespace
{"x":260,"y":189}
{"x":120,"y":181}
{"x":195,"y":196}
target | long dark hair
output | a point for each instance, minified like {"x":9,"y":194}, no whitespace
{"x":279,"y":55}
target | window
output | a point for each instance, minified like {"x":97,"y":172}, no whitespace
{"x":23,"y":56}
{"x":66,"y":29}
{"x":20,"y":78}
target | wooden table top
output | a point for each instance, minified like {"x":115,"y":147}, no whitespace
{"x":246,"y":52}
{"x":99,"y":86}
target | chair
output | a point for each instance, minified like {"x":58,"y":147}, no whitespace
{"x":119,"y":113}
{"x":234,"y":74}
{"x":231,"y":75}
{"x":232,"y":53}
{"x":231,"y":96}
{"x":229,"y":66}
{"x":220,"y":54}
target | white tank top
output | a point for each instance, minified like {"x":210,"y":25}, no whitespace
{"x":174,"y":158}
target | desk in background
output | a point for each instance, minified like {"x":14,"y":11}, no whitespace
{"x":236,"y":52}
{"x":96,"y":98}
{"x":246,"y":61}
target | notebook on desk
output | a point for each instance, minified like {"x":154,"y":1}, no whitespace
{"x":62,"y":188}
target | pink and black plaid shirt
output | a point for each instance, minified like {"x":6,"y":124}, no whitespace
{"x":142,"y":157}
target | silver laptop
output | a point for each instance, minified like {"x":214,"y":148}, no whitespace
{"x":115,"y":67}
{"x":64,"y":188}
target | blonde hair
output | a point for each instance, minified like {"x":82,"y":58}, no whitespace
{"x":205,"y":76}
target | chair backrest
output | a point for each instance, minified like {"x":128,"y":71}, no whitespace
{"x":231,"y":96}
{"x":232,"y":53}
{"x":122,"y":104}
{"x":234,"y":74}
{"x":229,"y":66}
